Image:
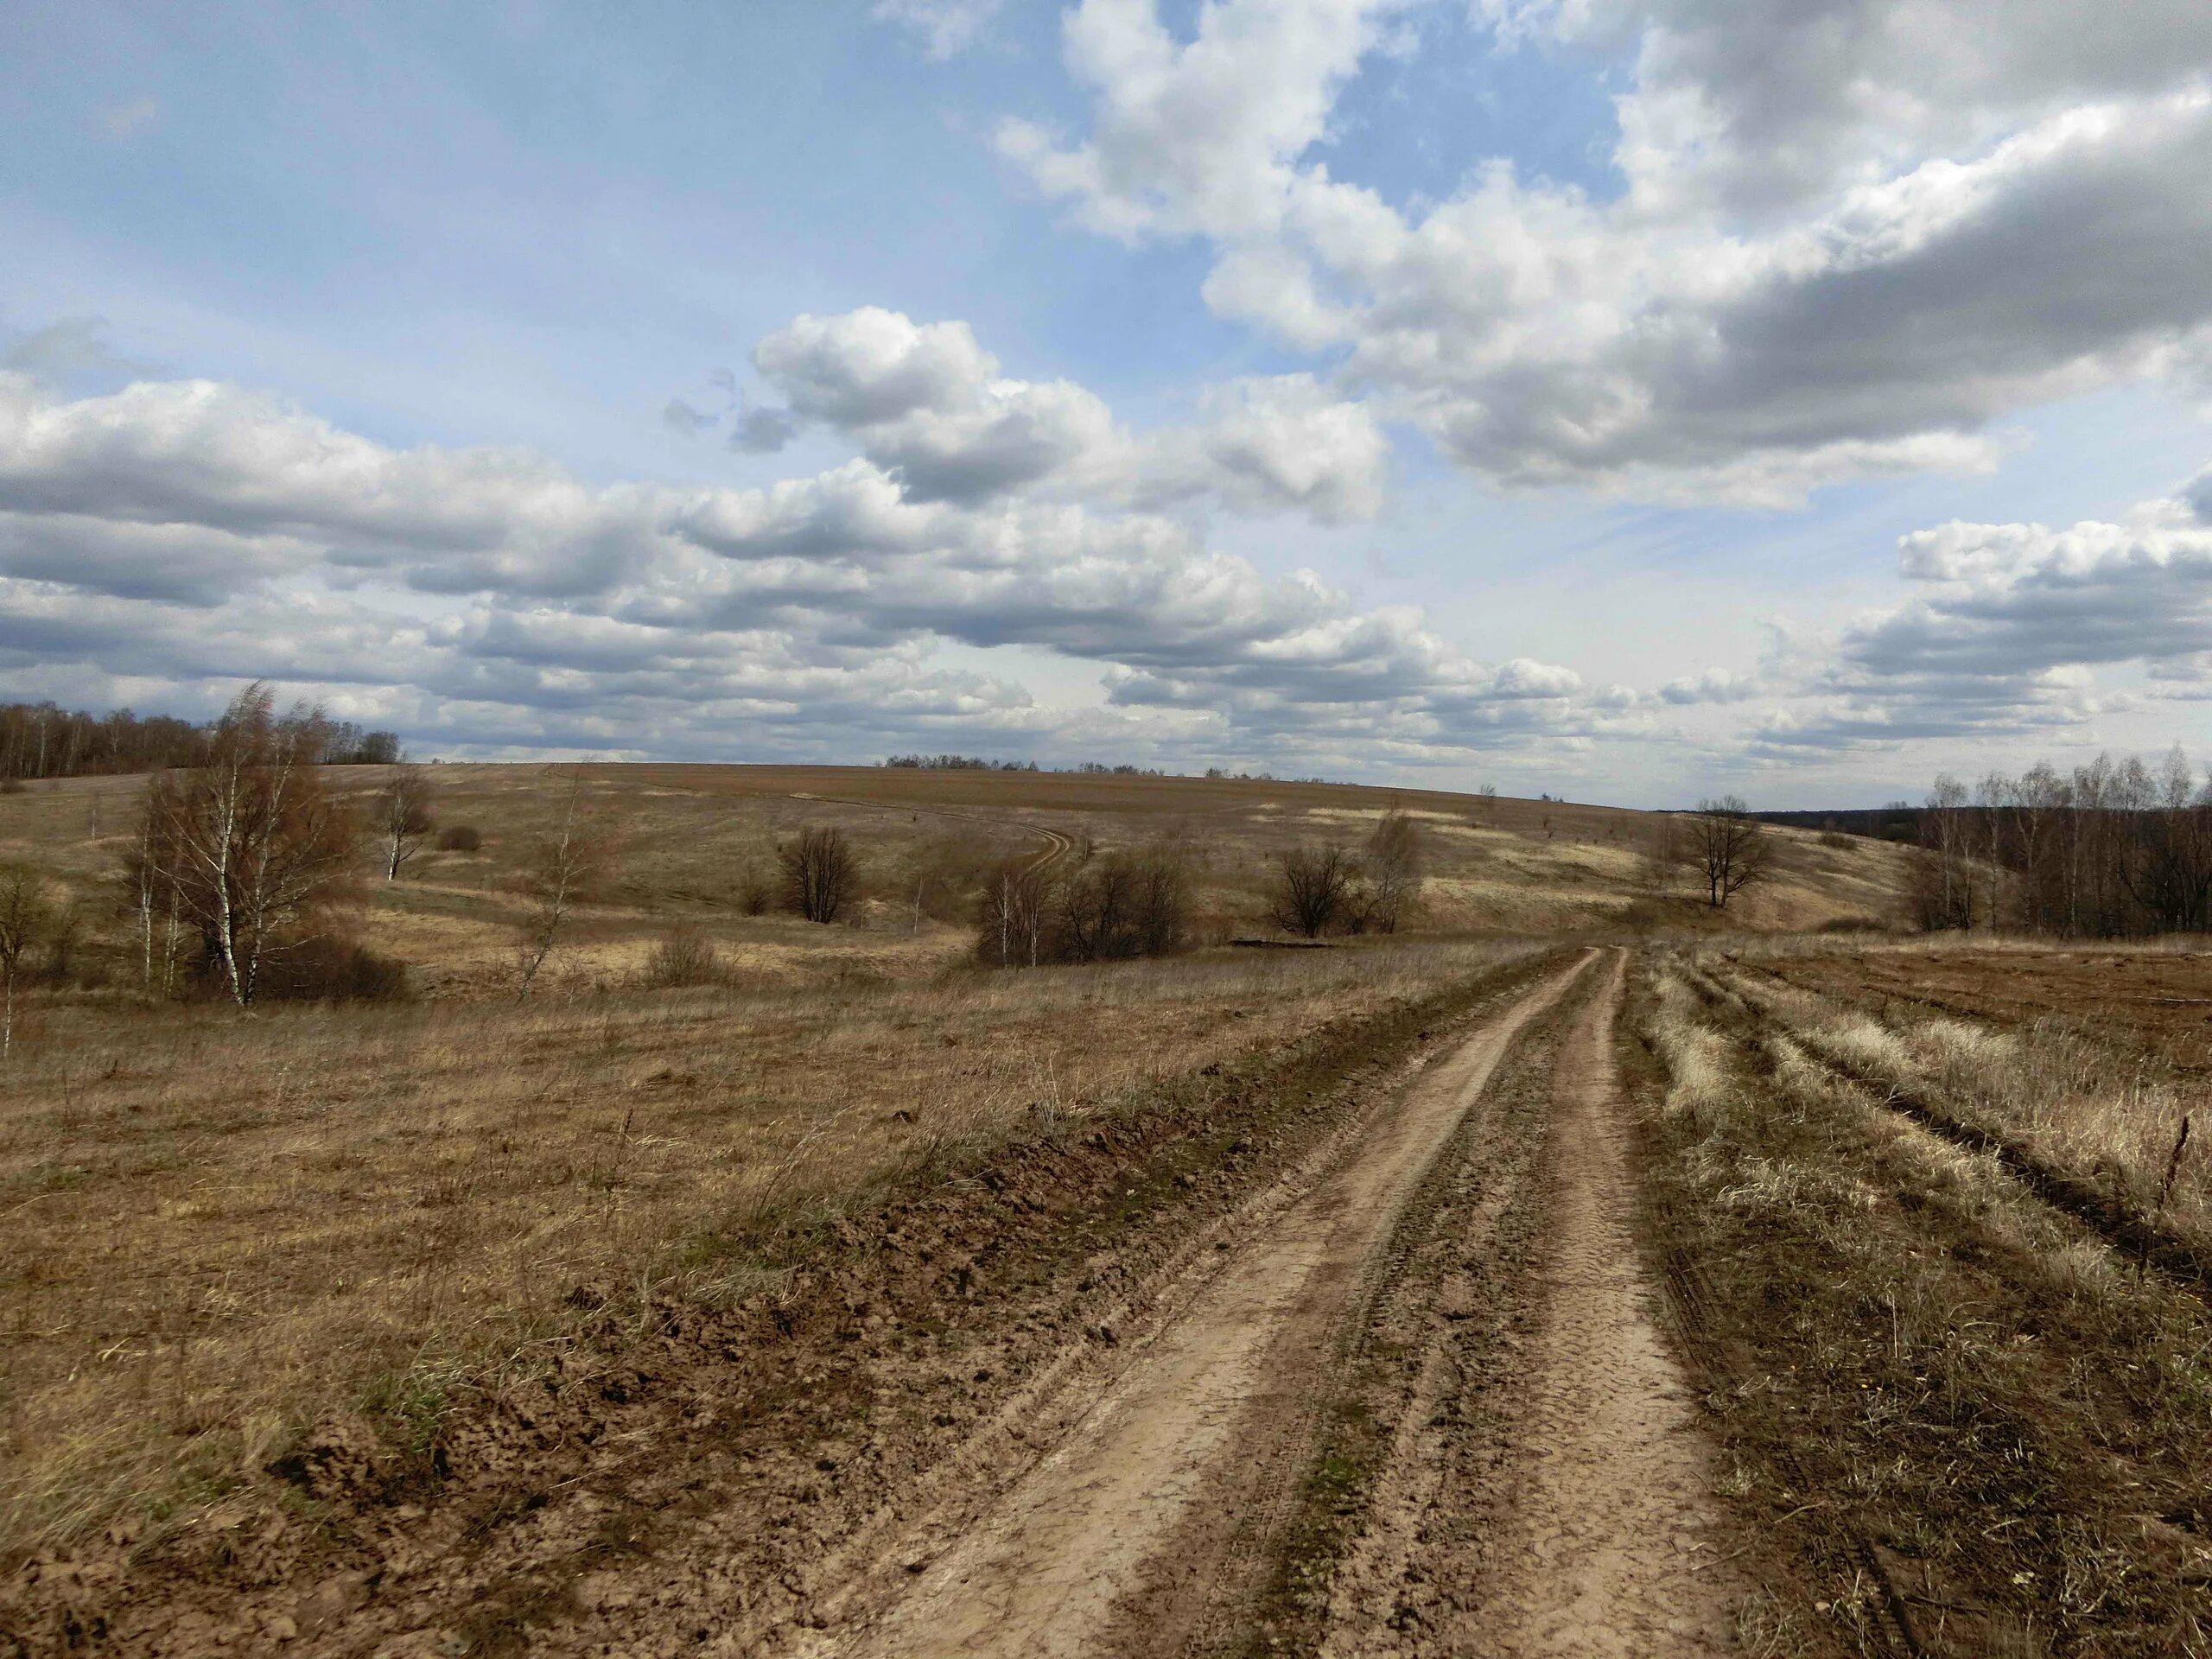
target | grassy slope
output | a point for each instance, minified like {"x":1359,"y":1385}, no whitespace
{"x":693,"y":838}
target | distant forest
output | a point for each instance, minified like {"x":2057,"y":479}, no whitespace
{"x":41,"y":740}
{"x":1098,"y":768}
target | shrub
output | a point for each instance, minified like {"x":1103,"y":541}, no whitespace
{"x":683,"y":955}
{"x":1316,"y":888}
{"x":1125,"y":905}
{"x":462,"y":838}
{"x":1853,"y":924}
{"x":820,"y":874}
{"x":1121,"y":906}
{"x":333,"y":968}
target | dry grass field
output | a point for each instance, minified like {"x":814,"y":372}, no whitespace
{"x":220,"y":1227}
{"x":236,"y":1240}
{"x":223,"y":1225}
{"x":693,"y":841}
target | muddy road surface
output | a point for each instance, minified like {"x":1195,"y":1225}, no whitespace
{"x":1457,"y":1266}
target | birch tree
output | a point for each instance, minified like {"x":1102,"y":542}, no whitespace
{"x":404,"y":822}
{"x":26,"y":916}
{"x":249,"y":844}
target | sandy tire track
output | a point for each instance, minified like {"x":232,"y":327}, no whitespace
{"x":1211,"y":1412}
{"x":1611,"y":1542}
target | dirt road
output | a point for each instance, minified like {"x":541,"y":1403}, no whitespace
{"x":1156,"y":1523}
{"x":1361,"y":1361}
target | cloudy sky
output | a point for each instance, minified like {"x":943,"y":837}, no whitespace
{"x":1630,"y":400}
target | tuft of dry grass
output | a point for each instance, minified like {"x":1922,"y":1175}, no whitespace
{"x":222,"y":1227}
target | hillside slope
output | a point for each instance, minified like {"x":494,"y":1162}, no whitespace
{"x":695,"y":843}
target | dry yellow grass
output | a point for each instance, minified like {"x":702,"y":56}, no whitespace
{"x":221,"y":1226}
{"x":2077,"y":1104}
{"x":1937,"y":1389}
{"x":694,"y":838}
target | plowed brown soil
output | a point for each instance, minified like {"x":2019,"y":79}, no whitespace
{"x":2159,"y":997}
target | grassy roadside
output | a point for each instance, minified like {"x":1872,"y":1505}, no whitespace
{"x":882,"y":1320}
{"x":1977,"y":1427}
{"x":223,"y":1228}
{"x":2110,"y":1122}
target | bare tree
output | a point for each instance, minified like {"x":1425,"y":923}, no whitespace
{"x":1313,"y":889}
{"x":249,"y":845}
{"x":26,"y":917}
{"x":1124,"y":905}
{"x":820,"y":875}
{"x":1395,"y":857}
{"x":1946,"y":880}
{"x":1726,"y":847}
{"x":1017,"y":898}
{"x":560,"y":872}
{"x":403,"y":816}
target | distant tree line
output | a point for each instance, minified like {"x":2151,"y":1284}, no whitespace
{"x":957,"y":763}
{"x":976,"y":763}
{"x":2111,"y":848}
{"x":43,"y":739}
{"x":1090,"y":768}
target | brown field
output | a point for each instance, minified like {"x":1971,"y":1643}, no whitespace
{"x":1771,"y":1283}
{"x":220,"y":1227}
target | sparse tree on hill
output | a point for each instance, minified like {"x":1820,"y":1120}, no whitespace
{"x":1726,"y":847}
{"x":1314,"y":889}
{"x":819,"y":871}
{"x":402,"y":818}
{"x":820,"y":874}
{"x":560,"y":872}
{"x":1394,"y":867}
{"x":249,"y":845}
{"x":27,"y":917}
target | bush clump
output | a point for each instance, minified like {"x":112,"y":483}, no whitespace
{"x":462,"y":838}
{"x":1114,"y":908}
{"x":684,"y":955}
{"x":330,"y":968}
